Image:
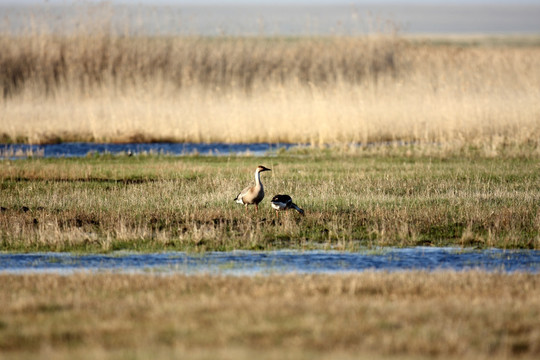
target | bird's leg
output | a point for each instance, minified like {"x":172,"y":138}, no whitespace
{"x":245,"y":206}
{"x":277,"y":215}
{"x":256,"y":207}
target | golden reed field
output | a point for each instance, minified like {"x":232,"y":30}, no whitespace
{"x":93,"y":84}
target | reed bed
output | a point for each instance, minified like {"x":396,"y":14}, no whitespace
{"x":97,"y":85}
{"x":471,"y":315}
{"x":153,"y":203}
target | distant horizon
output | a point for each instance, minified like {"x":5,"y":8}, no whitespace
{"x":275,"y":2}
{"x":298,"y":18}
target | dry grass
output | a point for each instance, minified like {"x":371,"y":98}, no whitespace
{"x":415,"y":315}
{"x":94,"y":85}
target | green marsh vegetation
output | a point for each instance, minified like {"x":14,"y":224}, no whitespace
{"x":153,"y":202}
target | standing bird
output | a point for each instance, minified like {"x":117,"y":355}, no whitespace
{"x":284,"y":202}
{"x":253,"y":194}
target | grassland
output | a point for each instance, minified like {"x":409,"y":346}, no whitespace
{"x":371,"y":315}
{"x":149,"y":203}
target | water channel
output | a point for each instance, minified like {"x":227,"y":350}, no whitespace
{"x":277,"y":262}
{"x":80,"y":149}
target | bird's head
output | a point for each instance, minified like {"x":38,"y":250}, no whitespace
{"x":261,"y":168}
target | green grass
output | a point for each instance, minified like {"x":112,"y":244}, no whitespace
{"x":152,"y":203}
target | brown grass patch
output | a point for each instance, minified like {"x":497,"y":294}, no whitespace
{"x":466,"y":315}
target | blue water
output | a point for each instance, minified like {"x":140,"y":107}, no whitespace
{"x":284,"y":261}
{"x":84,"y":149}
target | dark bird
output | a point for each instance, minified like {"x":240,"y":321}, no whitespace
{"x":284,"y":202}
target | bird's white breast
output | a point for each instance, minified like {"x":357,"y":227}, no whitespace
{"x":278,"y":205}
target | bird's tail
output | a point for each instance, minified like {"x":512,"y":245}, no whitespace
{"x":295,"y":207}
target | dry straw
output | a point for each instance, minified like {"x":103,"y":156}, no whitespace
{"x":445,"y":315}
{"x":96,"y":85}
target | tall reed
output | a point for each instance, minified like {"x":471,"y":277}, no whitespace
{"x":87,"y":62}
{"x":96,"y":84}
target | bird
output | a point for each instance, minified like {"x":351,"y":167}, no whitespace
{"x":284,"y":202}
{"x":253,"y":195}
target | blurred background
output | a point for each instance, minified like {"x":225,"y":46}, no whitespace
{"x":454,"y":74}
{"x":297,"y":17}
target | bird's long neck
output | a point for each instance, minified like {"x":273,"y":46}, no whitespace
{"x":258,"y":178}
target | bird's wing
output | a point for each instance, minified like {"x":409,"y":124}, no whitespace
{"x":241,"y":194}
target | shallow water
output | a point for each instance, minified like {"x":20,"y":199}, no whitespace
{"x":284,"y":261}
{"x":79,"y":149}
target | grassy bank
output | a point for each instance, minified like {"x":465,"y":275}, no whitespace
{"x":150,"y":203}
{"x":371,"y":315}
